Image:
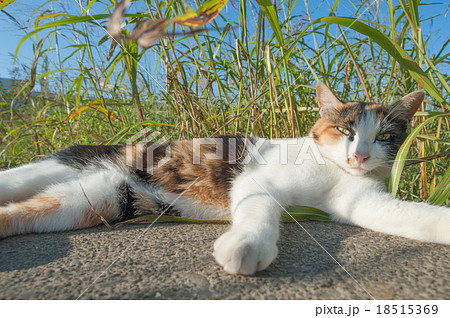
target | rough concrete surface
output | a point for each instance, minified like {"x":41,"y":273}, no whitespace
{"x":174,"y":261}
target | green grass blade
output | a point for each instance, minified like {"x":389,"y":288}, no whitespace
{"x":442,"y":192}
{"x":293,"y":214}
{"x":393,"y":49}
{"x":268,"y":9}
{"x":304,"y":213}
{"x":399,"y":163}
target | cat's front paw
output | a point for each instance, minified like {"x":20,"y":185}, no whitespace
{"x":244,"y":253}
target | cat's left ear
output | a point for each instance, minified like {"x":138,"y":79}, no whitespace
{"x":327,"y":101}
{"x":408,"y":105}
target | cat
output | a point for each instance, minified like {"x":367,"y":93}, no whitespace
{"x":339,"y":168}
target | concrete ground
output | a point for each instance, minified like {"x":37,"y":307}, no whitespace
{"x":174,"y":261}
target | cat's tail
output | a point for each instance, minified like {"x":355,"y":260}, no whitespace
{"x":76,"y":204}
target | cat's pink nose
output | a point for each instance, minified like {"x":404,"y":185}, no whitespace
{"x":361,"y":157}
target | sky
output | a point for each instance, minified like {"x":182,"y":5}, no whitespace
{"x":21,"y":10}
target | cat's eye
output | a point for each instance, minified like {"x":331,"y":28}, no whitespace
{"x":344,"y":131}
{"x":383,"y":137}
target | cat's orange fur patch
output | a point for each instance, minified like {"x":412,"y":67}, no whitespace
{"x":36,"y":207}
{"x":5,"y":222}
{"x":180,"y":173}
{"x":27,"y":212}
{"x":326,"y":134}
{"x":189,"y":173}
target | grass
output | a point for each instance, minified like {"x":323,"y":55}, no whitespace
{"x":250,"y":75}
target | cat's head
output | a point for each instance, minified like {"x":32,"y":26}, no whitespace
{"x":362,"y":137}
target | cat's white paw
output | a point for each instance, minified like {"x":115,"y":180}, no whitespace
{"x":240,"y":252}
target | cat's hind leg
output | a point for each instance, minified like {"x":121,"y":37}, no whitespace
{"x":64,"y":206}
{"x":23,"y":182}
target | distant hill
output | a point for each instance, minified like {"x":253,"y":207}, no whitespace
{"x":6,"y":83}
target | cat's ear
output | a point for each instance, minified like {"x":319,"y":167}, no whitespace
{"x":327,"y":101}
{"x":408,"y":105}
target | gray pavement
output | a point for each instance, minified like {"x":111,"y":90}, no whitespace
{"x":174,"y":261}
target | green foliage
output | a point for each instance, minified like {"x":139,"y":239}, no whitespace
{"x":251,"y":75}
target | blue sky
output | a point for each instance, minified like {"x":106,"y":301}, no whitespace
{"x":10,"y":33}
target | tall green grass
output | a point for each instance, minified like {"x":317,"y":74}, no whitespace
{"x":251,"y":75}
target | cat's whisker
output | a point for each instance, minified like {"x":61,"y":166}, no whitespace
{"x":382,"y":162}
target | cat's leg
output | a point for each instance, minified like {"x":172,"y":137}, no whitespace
{"x":23,"y":182}
{"x":368,"y":206}
{"x":64,"y":206}
{"x":250,"y":243}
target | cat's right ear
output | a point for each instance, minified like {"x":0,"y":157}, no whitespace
{"x":408,"y":105}
{"x":327,"y":101}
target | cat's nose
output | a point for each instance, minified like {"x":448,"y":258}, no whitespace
{"x":361,"y":157}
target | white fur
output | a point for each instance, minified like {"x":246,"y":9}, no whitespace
{"x":261,"y":192}
{"x":367,"y":205}
{"x":22,"y":182}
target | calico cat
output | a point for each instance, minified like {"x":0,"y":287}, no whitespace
{"x":339,"y":168}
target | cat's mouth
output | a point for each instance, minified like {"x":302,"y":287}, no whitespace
{"x":356,"y":168}
{"x":358,"y":171}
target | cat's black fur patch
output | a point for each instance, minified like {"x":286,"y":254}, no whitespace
{"x":80,"y":156}
{"x":127,"y":209}
{"x":168,"y":210}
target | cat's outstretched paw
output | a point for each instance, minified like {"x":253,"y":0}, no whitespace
{"x":244,"y":253}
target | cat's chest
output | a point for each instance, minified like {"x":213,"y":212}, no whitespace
{"x":307,"y":183}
